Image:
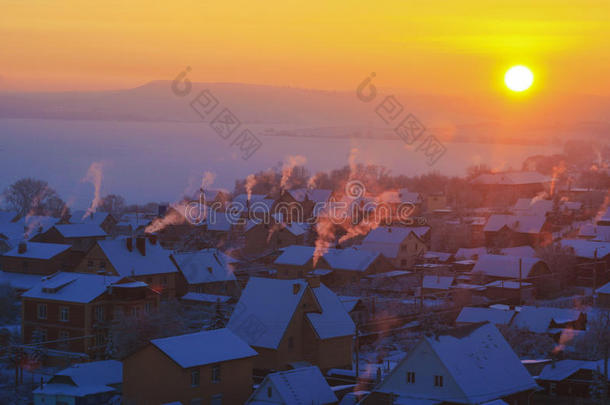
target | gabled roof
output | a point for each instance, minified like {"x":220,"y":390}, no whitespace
{"x":522,"y":251}
{"x":205,"y":266}
{"x":333,"y":321}
{"x":505,"y":266}
{"x":96,"y":372}
{"x":156,"y":261}
{"x":41,"y":251}
{"x":304,"y":385}
{"x":295,"y":255}
{"x":20,"y":281}
{"x":587,"y":248}
{"x":518,"y":223}
{"x":563,"y":369}
{"x":605,"y":289}
{"x":350,"y":258}
{"x":478,"y":359}
{"x":84,"y":230}
{"x":85,"y":217}
{"x":437,"y":282}
{"x":595,"y":232}
{"x":538,"y":319}
{"x":205,"y":347}
{"x":493,"y":315}
{"x":394,"y":234}
{"x":533,"y":206}
{"x":71,"y":287}
{"x":243,"y":198}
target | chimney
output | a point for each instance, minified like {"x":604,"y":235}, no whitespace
{"x":296,"y":288}
{"x":129,"y":244}
{"x":22,"y":248}
{"x":141,"y":245}
{"x":314,"y":281}
{"x":152,"y":238}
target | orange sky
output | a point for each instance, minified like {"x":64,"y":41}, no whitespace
{"x":444,"y":47}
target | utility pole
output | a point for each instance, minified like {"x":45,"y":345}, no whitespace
{"x":520,"y":282}
{"x":357,"y":350}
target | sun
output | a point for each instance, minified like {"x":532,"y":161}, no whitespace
{"x":518,"y":78}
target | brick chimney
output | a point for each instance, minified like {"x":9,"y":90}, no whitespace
{"x":22,"y":248}
{"x":152,"y":239}
{"x":141,"y":245}
{"x":129,"y":244}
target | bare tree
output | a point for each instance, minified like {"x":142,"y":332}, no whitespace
{"x":34,"y":197}
{"x":113,"y":204}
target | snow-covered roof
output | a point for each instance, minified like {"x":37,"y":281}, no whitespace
{"x":315,"y":195}
{"x":220,"y":221}
{"x":20,"y":281}
{"x":350,"y":258}
{"x":477,"y":314}
{"x":441,"y":256}
{"x":470,"y":253}
{"x":560,"y":370}
{"x":394,"y":234}
{"x":518,"y":223}
{"x":104,"y":372}
{"x":511,"y":178}
{"x":156,"y":261}
{"x":304,"y":385}
{"x":36,"y":250}
{"x":85,"y":217}
{"x":243,"y":198}
{"x":295,"y":255}
{"x":207,"y":298}
{"x":71,"y":287}
{"x":334,"y":321}
{"x":587,"y":248}
{"x":437,"y":282}
{"x":205,"y":347}
{"x":508,"y":284}
{"x":204,"y":266}
{"x":481,"y":362}
{"x":522,"y":251}
{"x":84,"y":230}
{"x":505,"y":266}
{"x":538,"y":319}
{"x":571,"y":205}
{"x":269,"y":304}
{"x":605,"y":289}
{"x":595,"y":232}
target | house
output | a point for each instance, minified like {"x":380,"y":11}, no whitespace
{"x":549,"y":319}
{"x":288,"y":321}
{"x":516,"y":230}
{"x":304,"y":385}
{"x":14,"y":229}
{"x":208,"y":271}
{"x":249,"y":206}
{"x":298,"y":205}
{"x":211,"y":367}
{"x":296,"y":261}
{"x":514,"y":268}
{"x":402,"y":245}
{"x":532,"y":206}
{"x":594,"y":232}
{"x":80,"y":236}
{"x":105,"y":220}
{"x":272,"y":235}
{"x":140,"y":258}
{"x":350,"y":265}
{"x":593,"y":259}
{"x":510,"y":292}
{"x":603,"y":296}
{"x":36,"y":258}
{"x":436,"y":202}
{"x":569,"y":381}
{"x":504,"y":188}
{"x":470,"y":315}
{"x":356,"y":308}
{"x":468,"y":365}
{"x":80,"y":307}
{"x":94,"y":383}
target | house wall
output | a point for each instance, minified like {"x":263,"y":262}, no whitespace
{"x":152,"y":378}
{"x":36,"y":266}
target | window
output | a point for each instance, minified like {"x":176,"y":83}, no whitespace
{"x":135,"y":312}
{"x":64,"y":314}
{"x":410,"y":377}
{"x":102,"y":264}
{"x":42,"y":311}
{"x":438,"y":380}
{"x":100,"y":339}
{"x":148,"y":307}
{"x":90,"y":264}
{"x":403,"y":247}
{"x":195,"y":378}
{"x":99,"y":312}
{"x":164,"y":280}
{"x":216,"y":399}
{"x":216,"y":373}
{"x":553,"y":389}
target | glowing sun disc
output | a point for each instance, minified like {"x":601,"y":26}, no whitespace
{"x":518,"y":78}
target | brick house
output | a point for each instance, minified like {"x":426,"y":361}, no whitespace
{"x":36,"y":258}
{"x":289,"y":321}
{"x":140,"y":258}
{"x":402,"y":245}
{"x":80,"y":236}
{"x":73,"y":306}
{"x":209,"y":367}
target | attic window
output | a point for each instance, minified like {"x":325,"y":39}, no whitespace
{"x":210,"y":269}
{"x":269,"y":392}
{"x":410,"y":377}
{"x":438,"y":380}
